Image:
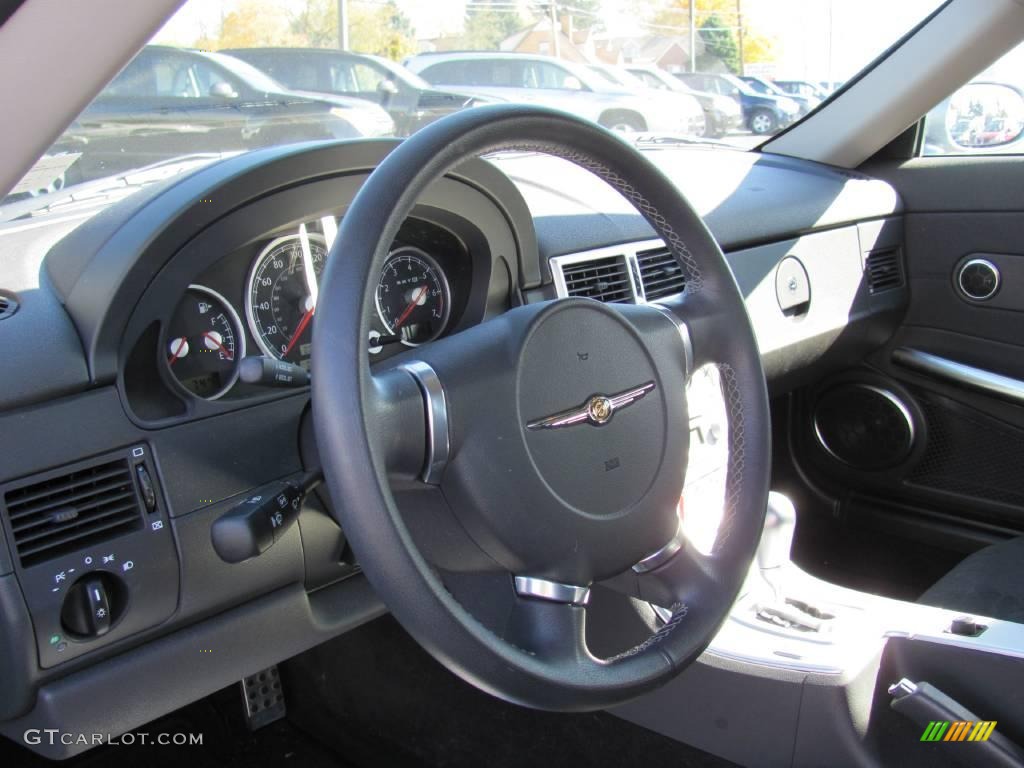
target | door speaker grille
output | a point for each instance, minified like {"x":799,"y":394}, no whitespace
{"x":867,"y":427}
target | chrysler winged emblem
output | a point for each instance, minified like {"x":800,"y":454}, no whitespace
{"x":597,"y":410}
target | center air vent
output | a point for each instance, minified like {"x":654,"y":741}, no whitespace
{"x":605,"y":279}
{"x":884,"y":270}
{"x":71,"y":511}
{"x":660,"y":273}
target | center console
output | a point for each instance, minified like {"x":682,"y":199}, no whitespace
{"x":804,"y":672}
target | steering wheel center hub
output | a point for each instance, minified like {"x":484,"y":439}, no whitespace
{"x":591,"y":409}
{"x":569,"y":465}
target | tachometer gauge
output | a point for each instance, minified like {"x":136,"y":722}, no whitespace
{"x":204,"y":343}
{"x":413,"y":299}
{"x":281,"y":295}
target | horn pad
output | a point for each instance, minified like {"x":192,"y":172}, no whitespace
{"x":567,"y":467}
{"x":573,"y":365}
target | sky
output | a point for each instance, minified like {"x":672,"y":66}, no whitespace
{"x":817,"y":39}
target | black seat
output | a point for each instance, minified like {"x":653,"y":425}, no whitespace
{"x":988,"y":583}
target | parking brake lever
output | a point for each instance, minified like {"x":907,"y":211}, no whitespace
{"x":256,"y":524}
{"x":944,"y":718}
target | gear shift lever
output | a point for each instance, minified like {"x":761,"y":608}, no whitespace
{"x":776,"y":541}
{"x":773,"y":563}
{"x":777,"y":537}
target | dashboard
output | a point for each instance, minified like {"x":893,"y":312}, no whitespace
{"x":125,"y":372}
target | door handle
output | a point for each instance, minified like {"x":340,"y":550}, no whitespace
{"x":961,"y":374}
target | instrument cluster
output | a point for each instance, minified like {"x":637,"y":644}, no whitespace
{"x":261,"y":301}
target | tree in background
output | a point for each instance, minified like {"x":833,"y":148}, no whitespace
{"x":252,"y":23}
{"x":486,"y":28}
{"x":379,"y":28}
{"x":317,"y":23}
{"x":757,"y":47}
{"x":590,"y":16}
{"x":720,"y":43}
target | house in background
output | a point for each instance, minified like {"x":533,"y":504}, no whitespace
{"x":572,"y":44}
{"x":670,"y":52}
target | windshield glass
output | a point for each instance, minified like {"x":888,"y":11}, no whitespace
{"x":401,"y":72}
{"x":254,"y":78}
{"x":378,"y":68}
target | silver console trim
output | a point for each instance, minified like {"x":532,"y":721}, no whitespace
{"x":552,"y":591}
{"x":435,"y":406}
{"x":960,"y":374}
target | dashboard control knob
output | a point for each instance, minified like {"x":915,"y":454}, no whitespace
{"x":978,"y":279}
{"x":93,"y":605}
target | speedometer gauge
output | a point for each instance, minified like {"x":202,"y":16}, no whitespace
{"x":281,"y":295}
{"x":412,"y":296}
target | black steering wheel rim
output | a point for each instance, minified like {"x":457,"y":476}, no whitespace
{"x":352,"y":414}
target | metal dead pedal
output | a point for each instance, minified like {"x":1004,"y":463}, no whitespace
{"x":263,"y":694}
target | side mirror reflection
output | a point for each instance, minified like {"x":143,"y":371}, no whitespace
{"x":985,"y":115}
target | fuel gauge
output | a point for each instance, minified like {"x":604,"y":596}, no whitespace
{"x":204,"y":343}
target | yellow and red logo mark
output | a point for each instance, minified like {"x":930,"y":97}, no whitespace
{"x":958,"y":730}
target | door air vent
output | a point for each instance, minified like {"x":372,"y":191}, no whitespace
{"x":605,"y":279}
{"x":884,"y":270}
{"x":71,"y":511}
{"x":660,"y":273}
{"x":8,"y":306}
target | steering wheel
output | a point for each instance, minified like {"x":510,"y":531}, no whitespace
{"x":553,"y":439}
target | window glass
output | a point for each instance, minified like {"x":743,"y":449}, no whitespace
{"x":446,"y":72}
{"x":542,"y":75}
{"x":202,"y":78}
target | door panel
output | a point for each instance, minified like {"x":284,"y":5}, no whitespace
{"x":963,"y":472}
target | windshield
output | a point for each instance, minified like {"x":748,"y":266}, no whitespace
{"x":401,"y":72}
{"x":254,"y":78}
{"x":390,"y":67}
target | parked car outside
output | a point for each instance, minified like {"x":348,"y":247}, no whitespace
{"x":408,"y":98}
{"x":763,"y":114}
{"x":721,"y":113}
{"x":168,"y":98}
{"x":553,"y":82}
{"x":768,"y":88}
{"x":802,"y":88}
{"x":696,"y":124}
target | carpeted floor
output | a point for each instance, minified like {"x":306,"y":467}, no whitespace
{"x":382,"y":697}
{"x":374,"y":698}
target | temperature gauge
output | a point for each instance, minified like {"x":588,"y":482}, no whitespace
{"x":204,"y":343}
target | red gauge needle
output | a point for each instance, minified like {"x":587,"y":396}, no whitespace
{"x":298,"y":331}
{"x":412,"y":305}
{"x":220,"y":346}
{"x":177,"y":353}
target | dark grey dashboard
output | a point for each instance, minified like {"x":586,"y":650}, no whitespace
{"x":87,"y":388}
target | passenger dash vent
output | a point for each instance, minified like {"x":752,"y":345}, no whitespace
{"x":71,"y":511}
{"x":884,"y":270}
{"x":605,"y":279}
{"x":660,"y":273}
